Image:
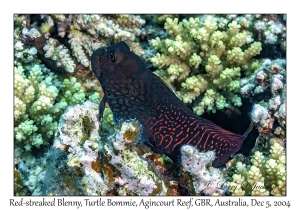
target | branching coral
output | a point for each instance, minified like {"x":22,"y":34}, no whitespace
{"x":40,"y":99}
{"x":99,"y":28}
{"x":35,"y":105}
{"x":82,"y":44}
{"x":59,"y":53}
{"x":88,"y":81}
{"x":266,"y":175}
{"x":40,"y":95}
{"x":85,"y":33}
{"x":72,"y":92}
{"x":108,"y":117}
{"x":268,"y":79}
{"x":131,"y":23}
{"x":121,"y":27}
{"x":272,"y":30}
{"x":23,"y":52}
{"x":223,"y":53}
{"x":63,"y":23}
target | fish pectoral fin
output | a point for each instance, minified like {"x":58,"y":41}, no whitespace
{"x":154,"y":149}
{"x":117,"y":120}
{"x":147,"y":141}
{"x":101,"y":108}
{"x":220,"y":161}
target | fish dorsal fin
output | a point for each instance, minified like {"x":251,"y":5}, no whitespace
{"x":249,"y":129}
{"x":166,"y":84}
{"x":129,"y":43}
{"x":101,"y":108}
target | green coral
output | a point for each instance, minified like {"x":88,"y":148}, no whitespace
{"x":46,"y":28}
{"x":35,"y":110}
{"x":108,"y":117}
{"x":95,"y":97}
{"x":205,"y":57}
{"x":72,"y":92}
{"x":40,"y":98}
{"x":266,"y":175}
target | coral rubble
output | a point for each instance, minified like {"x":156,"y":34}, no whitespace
{"x":196,"y":163}
{"x":99,"y":165}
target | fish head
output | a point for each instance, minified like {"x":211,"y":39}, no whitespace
{"x":116,"y":67}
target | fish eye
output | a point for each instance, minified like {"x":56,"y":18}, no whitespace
{"x":112,"y":57}
{"x":115,"y":56}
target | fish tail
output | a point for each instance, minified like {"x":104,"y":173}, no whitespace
{"x":249,"y":129}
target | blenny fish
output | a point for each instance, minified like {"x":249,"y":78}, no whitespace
{"x":135,"y":92}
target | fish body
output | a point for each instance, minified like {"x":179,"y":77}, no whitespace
{"x":135,"y":92}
